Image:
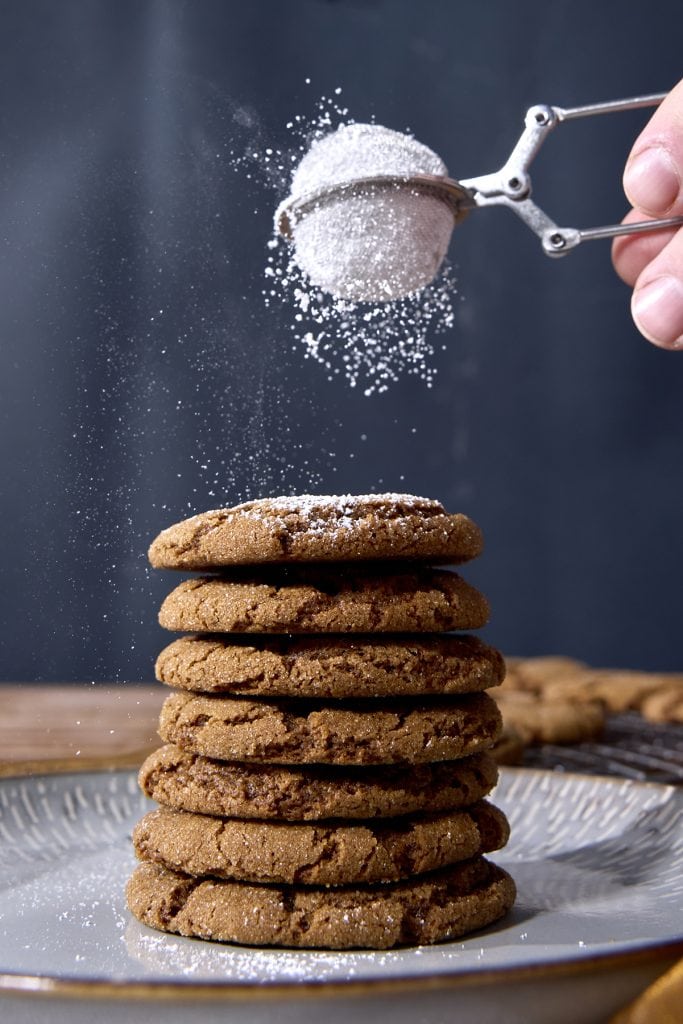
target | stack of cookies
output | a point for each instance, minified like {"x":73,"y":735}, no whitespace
{"x":328,"y":738}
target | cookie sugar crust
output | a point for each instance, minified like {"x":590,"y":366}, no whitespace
{"x":325,"y":600}
{"x":320,"y":853}
{"x":333,"y":666}
{"x":318,"y":528}
{"x":189,"y":782}
{"x":340,"y":732}
{"x":426,"y":909}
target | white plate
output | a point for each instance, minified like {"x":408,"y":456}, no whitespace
{"x":598,"y":864}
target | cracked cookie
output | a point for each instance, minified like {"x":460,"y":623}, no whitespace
{"x":344,"y":732}
{"x":426,"y":909}
{"x":326,"y":601}
{"x":190,"y":782}
{"x":321,"y":853}
{"x":312,"y":528}
{"x":319,"y":666}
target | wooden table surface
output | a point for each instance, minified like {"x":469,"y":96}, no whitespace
{"x":46,"y":724}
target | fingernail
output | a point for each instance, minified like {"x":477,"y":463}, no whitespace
{"x":657,"y":309}
{"x":651,"y":180}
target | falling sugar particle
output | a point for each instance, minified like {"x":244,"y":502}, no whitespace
{"x":373,"y":346}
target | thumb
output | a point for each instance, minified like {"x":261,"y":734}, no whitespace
{"x":653,"y":179}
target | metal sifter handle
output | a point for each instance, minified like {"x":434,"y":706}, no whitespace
{"x":511,"y":185}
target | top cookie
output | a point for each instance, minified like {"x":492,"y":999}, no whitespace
{"x":318,"y":528}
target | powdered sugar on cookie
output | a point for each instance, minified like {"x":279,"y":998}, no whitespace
{"x":327,"y":528}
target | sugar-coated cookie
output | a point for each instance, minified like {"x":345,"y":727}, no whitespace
{"x":326,"y":601}
{"x":427,"y":909}
{"x":318,"y":528}
{"x":320,"y":853}
{"x":190,"y":782}
{"x":343,"y":732}
{"x":333,"y":666}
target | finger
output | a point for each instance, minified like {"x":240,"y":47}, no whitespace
{"x":657,"y":303}
{"x":653,"y":178}
{"x":632,"y":253}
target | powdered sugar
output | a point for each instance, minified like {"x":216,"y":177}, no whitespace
{"x":323,"y":513}
{"x":394,"y":239}
{"x":373,"y":241}
{"x":370,"y":345}
{"x":326,"y":513}
{"x":362,"y":150}
{"x":306,"y":504}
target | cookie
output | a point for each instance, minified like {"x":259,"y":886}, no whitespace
{"x":318,"y":666}
{"x":318,"y":528}
{"x":617,"y":689}
{"x":510,"y":746}
{"x":428,"y":909}
{"x":534,"y":674}
{"x":666,"y":705}
{"x":312,"y":732}
{"x":324,"y":853}
{"x":326,"y":601}
{"x":189,"y":782}
{"x":539,"y":721}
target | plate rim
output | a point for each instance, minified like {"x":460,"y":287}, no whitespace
{"x":102,"y":989}
{"x":23,"y":984}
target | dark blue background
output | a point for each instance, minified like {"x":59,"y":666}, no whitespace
{"x":551,"y":421}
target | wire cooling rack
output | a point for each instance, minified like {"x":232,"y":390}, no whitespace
{"x":630,"y":747}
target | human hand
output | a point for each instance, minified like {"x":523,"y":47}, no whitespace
{"x":652,"y":263}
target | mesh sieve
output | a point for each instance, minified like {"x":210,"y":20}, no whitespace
{"x":367,"y":240}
